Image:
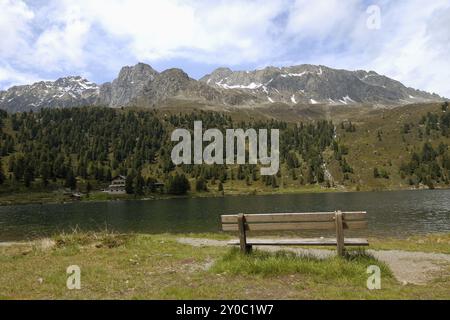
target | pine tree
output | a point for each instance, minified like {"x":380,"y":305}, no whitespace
{"x":2,"y":175}
{"x":129,"y":184}
{"x":70,"y":181}
{"x":201,"y":185}
{"x":138,"y":184}
{"x":88,"y":188}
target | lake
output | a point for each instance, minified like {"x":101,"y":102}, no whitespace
{"x":393,"y":214}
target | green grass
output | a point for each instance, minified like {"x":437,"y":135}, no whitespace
{"x":116,"y":266}
{"x":352,"y":267}
{"x":439,"y":243}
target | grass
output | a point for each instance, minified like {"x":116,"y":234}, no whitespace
{"x":232,"y":188}
{"x":352,"y":267}
{"x":117,"y":266}
{"x":439,"y":243}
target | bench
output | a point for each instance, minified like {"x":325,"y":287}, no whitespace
{"x":338,"y":221}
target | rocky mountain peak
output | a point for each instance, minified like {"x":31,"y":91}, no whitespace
{"x":316,"y":84}
{"x":128,"y":86}
{"x":65,"y":92}
{"x":142,"y":85}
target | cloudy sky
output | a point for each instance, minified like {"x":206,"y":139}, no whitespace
{"x":44,"y":40}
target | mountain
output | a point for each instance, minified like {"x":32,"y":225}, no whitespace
{"x":141,"y":85}
{"x":310,"y":84}
{"x":64,"y":92}
{"x":128,"y":86}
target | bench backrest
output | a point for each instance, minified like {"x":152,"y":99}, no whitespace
{"x":295,"y":221}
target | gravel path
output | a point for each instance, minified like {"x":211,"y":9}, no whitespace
{"x":407,"y":266}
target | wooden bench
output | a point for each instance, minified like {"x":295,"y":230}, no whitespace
{"x":338,"y":221}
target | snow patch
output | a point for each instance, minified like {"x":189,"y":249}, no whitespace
{"x":251,"y":86}
{"x":346,"y":100}
{"x":294,"y":74}
{"x":331,"y":101}
{"x":293,"y":99}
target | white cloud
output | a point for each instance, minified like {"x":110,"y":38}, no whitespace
{"x":61,"y":45}
{"x":15,"y":17}
{"x":11,"y":77}
{"x":322,"y":19}
{"x":203,"y":31}
{"x":90,"y":37}
{"x":415,"y":45}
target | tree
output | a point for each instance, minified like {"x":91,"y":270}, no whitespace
{"x":201,"y":185}
{"x":129,"y":189}
{"x":71,"y":181}
{"x":178,"y":184}
{"x":139,"y":184}
{"x":428,"y":153}
{"x":2,"y":175}
{"x":45,"y":173}
{"x":88,"y":188}
{"x":28,"y":176}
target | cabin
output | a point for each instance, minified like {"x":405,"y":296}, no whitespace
{"x":117,"y":185}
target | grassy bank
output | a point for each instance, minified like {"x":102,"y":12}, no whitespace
{"x":35,"y":197}
{"x":157,"y":266}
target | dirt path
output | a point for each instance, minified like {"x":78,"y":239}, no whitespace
{"x":407,"y":266}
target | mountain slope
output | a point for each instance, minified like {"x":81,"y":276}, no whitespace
{"x":310,"y":84}
{"x":141,"y":85}
{"x":64,"y":92}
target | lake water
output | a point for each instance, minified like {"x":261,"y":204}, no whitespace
{"x":394,"y":214}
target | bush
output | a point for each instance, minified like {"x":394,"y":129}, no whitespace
{"x":178,"y":184}
{"x":201,"y":185}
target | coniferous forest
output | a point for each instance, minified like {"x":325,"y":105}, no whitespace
{"x":84,"y":148}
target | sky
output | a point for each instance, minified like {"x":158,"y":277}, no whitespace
{"x":408,"y":40}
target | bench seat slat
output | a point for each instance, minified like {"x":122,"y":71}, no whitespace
{"x":295,"y":217}
{"x":295,"y":226}
{"x":302,"y":242}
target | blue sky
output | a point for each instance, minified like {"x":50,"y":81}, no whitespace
{"x":408,"y":40}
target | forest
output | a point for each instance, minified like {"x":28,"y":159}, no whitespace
{"x":84,"y":148}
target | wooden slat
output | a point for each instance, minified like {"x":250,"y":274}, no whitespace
{"x":302,"y":242}
{"x":295,"y":217}
{"x":354,"y":215}
{"x":356,"y":225}
{"x":283,"y":226}
{"x":295,"y":226}
{"x":282,"y":217}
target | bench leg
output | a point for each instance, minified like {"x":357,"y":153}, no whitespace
{"x":339,"y":234}
{"x":245,"y":248}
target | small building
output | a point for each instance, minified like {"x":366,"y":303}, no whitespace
{"x":117,"y":185}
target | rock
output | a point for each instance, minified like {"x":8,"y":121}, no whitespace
{"x":141,"y":85}
{"x":128,"y":86}
{"x":64,"y":92}
{"x":311,"y":84}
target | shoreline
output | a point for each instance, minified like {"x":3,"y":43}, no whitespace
{"x":17,"y":199}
